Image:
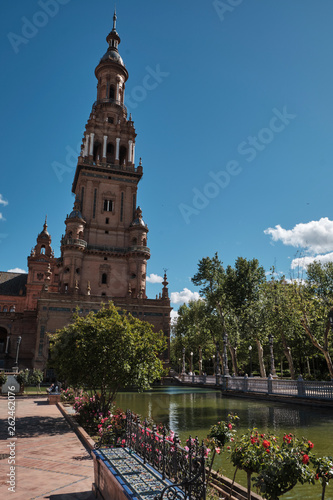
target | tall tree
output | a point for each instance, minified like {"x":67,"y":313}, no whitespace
{"x":316,"y":303}
{"x":232,"y":292}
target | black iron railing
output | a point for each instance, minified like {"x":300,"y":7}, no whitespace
{"x":183,"y":466}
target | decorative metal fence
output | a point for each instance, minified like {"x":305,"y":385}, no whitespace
{"x":282,"y":387}
{"x":183,"y":466}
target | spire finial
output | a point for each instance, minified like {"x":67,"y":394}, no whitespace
{"x":114,"y":19}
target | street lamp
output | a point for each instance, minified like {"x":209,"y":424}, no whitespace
{"x":191,"y":370}
{"x":273,"y":371}
{"x":250,"y":352}
{"x":179,"y":364}
{"x":218,"y":368}
{"x":18,"y":342}
{"x":213,"y":358}
{"x":200,"y":361}
{"x":183,"y":367}
{"x":225,"y":355}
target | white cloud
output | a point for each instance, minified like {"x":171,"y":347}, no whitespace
{"x":173,"y":316}
{"x":184,"y":296}
{"x":17,"y":270}
{"x":314,"y":236}
{"x":2,"y":217}
{"x":303,"y":262}
{"x":154,"y":278}
{"x":2,"y":201}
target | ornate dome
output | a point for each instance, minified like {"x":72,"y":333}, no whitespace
{"x":76,"y":214}
{"x":114,"y":56}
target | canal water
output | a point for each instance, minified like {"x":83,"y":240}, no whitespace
{"x":191,"y":411}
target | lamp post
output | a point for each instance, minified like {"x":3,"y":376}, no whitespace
{"x":218,"y":367}
{"x":250,"y":353}
{"x":191,"y":370}
{"x":200,"y":361}
{"x":225,"y":356}
{"x":213,"y":358}
{"x":18,"y":342}
{"x":183,"y":367}
{"x":273,"y":371}
{"x":179,"y":364}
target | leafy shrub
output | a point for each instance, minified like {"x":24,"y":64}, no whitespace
{"x":68,"y":396}
{"x":88,"y":412}
{"x":3,"y":378}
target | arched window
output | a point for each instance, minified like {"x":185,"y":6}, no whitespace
{"x":110,"y":153}
{"x":103,"y":294}
{"x":122,"y":155}
{"x":42,"y":250}
{"x":111,"y":92}
{"x":134,"y":242}
{"x":97,"y":151}
{"x":104,"y":279}
{"x":12,"y":309}
{"x":5,"y":309}
{"x":144,"y":242}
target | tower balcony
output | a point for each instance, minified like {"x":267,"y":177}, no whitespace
{"x":74,"y":242}
{"x":119,"y":250}
{"x":113,"y":102}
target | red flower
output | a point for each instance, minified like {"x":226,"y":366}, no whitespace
{"x":310,"y":444}
{"x":266,"y":444}
{"x":229,"y":427}
{"x":317,"y":477}
{"x":305,"y":459}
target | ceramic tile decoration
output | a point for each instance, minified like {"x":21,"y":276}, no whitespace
{"x":137,"y":476}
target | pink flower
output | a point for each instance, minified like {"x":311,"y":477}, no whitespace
{"x":218,"y":450}
{"x":229,"y":427}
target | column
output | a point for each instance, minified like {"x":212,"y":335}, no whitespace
{"x":86,"y":145}
{"x":133,"y":154}
{"x":117,"y":92}
{"x":117,"y":148}
{"x":105,"y":145}
{"x":130,"y":151}
{"x":91,"y":149}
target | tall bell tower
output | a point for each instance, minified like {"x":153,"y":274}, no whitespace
{"x":104,"y":249}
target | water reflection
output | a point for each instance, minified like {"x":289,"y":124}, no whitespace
{"x":187,"y":410}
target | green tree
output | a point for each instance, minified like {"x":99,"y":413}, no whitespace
{"x":197,"y":329}
{"x":23,"y":378}
{"x":35,"y":378}
{"x":316,"y":303}
{"x":106,"y":351}
{"x":233,"y":294}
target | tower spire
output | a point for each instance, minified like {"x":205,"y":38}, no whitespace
{"x":114,"y":20}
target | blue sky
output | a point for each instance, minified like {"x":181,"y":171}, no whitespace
{"x":235,"y":138}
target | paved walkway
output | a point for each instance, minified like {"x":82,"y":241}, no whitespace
{"x":50,"y":461}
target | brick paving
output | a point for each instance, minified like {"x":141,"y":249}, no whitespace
{"x":50,"y":461}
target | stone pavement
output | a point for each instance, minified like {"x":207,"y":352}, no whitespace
{"x":50,"y":461}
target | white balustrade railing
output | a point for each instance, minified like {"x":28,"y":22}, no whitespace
{"x":283,"y":387}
